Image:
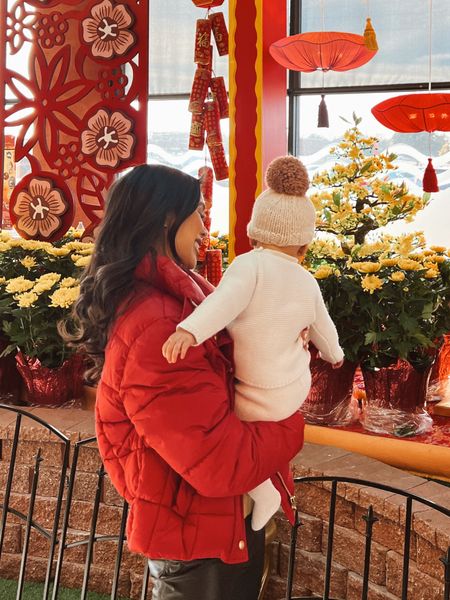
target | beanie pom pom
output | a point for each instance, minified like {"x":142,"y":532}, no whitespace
{"x":287,"y":175}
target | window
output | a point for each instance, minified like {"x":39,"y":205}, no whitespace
{"x":399,"y":67}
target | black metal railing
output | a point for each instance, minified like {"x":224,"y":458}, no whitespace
{"x":369,"y":519}
{"x":58,"y":532}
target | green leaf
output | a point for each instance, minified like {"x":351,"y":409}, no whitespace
{"x":370,"y":337}
{"x":365,"y":167}
{"x":337,"y":199}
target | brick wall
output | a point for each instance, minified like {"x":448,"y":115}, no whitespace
{"x":430,"y":536}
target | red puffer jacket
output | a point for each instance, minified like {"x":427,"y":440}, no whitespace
{"x":167,"y":432}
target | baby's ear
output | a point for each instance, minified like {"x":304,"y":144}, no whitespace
{"x":252,"y":242}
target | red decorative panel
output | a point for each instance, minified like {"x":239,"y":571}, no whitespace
{"x":77,"y":74}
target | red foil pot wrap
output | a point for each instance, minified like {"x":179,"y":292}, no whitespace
{"x":208,"y":3}
{"x":219,"y":161}
{"x":214,"y":265}
{"x":212,"y":123}
{"x":199,"y":90}
{"x":329,"y":399}
{"x":220,"y":32}
{"x":206,"y":176}
{"x":399,"y":386}
{"x":202,"y":42}
{"x":197,"y":132}
{"x":219,"y":92}
{"x":51,"y":387}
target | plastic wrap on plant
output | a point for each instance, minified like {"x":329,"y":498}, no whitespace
{"x":395,"y":422}
{"x":395,"y":400}
{"x":329,"y":401}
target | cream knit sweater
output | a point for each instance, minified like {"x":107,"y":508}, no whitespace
{"x":265,"y":299}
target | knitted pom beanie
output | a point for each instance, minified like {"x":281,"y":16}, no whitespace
{"x":282,"y":215}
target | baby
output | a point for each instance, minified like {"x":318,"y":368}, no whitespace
{"x":267,"y":300}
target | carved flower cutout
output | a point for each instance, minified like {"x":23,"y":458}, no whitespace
{"x":39,"y":208}
{"x":107,"y":30}
{"x":108,"y":137}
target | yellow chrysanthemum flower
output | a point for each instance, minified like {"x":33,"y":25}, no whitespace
{"x":436,"y":258}
{"x":26,"y":299}
{"x":388,"y":262}
{"x":431,"y":273}
{"x":83,"y":261}
{"x":44,"y":286}
{"x":28,"y":262}
{"x":406,"y":264}
{"x":438,"y":248}
{"x":58,"y":251}
{"x":370,"y":283}
{"x":68,"y":282}
{"x":323,"y":272}
{"x":5,"y":246}
{"x":19,"y":284}
{"x":366,"y":267}
{"x":2,"y":279}
{"x":397,"y":276}
{"x":49,"y":277}
{"x":64,"y":297}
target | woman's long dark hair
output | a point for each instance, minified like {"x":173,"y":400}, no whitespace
{"x":138,"y":207}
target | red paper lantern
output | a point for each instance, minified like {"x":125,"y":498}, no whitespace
{"x":207,"y":3}
{"x":411,"y":113}
{"x":322,"y":50}
{"x":325,"y":51}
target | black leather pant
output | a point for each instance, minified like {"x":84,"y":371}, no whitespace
{"x":210,"y":578}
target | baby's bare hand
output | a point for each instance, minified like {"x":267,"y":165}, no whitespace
{"x":177,"y":345}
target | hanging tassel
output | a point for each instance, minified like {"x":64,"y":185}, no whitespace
{"x":370,"y":37}
{"x":429,"y":181}
{"x":323,"y":113}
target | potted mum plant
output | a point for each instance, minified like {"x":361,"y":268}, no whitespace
{"x":387,"y":295}
{"x":39,"y":284}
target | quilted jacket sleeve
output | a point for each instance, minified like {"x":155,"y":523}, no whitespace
{"x":183,"y":412}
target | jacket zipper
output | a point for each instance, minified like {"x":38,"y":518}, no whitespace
{"x":291,"y":497}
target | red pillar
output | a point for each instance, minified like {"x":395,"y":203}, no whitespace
{"x":258,"y":106}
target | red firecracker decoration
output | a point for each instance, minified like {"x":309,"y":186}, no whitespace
{"x":214,"y":265}
{"x":219,"y":161}
{"x":205,"y":174}
{"x":219,"y":92}
{"x":207,"y":109}
{"x":197,"y":133}
{"x":220,"y":32}
{"x":199,"y":90}
{"x":212,"y":123}
{"x":202,"y":42}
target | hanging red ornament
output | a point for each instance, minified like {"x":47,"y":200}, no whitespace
{"x":199,"y":90}
{"x":322,"y":51}
{"x":202,"y":42}
{"x":220,"y":32}
{"x":411,"y":113}
{"x":214,"y":265}
{"x":207,"y":3}
{"x":429,"y":181}
{"x":219,"y":92}
{"x":206,"y":176}
{"x":197,"y":132}
{"x":219,"y":161}
{"x":212,"y":123}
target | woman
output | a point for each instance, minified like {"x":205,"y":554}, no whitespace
{"x":167,"y":433}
